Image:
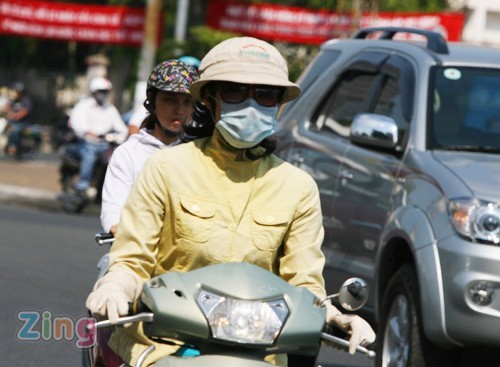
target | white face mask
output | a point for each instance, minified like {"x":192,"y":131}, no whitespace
{"x":246,"y":124}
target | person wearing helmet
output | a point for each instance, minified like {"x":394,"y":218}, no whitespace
{"x":170,"y":106}
{"x":140,"y":113}
{"x":18,"y":112}
{"x":91,"y":119}
{"x":221,"y":198}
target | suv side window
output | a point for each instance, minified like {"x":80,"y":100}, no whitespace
{"x":321,"y":62}
{"x":396,"y":95}
{"x":349,"y":95}
{"x":387,"y":100}
{"x":347,"y":99}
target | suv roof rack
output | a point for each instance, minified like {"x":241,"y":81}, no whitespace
{"x":435,"y":41}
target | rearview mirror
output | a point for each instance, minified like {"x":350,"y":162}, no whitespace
{"x":353,"y":294}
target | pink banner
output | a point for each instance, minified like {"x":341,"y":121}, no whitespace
{"x":72,"y":22}
{"x":300,"y":25}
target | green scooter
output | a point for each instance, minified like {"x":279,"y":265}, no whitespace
{"x":234,"y":314}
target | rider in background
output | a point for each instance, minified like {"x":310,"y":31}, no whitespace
{"x":17,"y":111}
{"x":91,"y":119}
{"x":170,"y":106}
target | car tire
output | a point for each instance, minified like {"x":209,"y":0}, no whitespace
{"x":402,"y":342}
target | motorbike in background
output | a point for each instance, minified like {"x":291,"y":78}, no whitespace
{"x":29,"y":143}
{"x":74,"y":201}
{"x":231,"y":314}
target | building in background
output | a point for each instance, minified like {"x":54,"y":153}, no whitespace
{"x":483,"y":22}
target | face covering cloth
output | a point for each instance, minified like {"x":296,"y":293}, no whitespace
{"x":246,"y":124}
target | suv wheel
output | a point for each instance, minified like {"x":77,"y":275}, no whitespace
{"x":403,"y":342}
{"x":399,"y":322}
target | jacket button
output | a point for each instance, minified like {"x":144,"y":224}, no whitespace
{"x":196,"y":208}
{"x":270,"y":218}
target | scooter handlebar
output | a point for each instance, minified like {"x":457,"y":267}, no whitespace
{"x":336,"y":337}
{"x":104,"y":238}
{"x":341,"y":342}
{"x":137,"y":312}
{"x":143,"y":316}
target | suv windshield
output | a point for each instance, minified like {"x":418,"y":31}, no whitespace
{"x":464,"y":109}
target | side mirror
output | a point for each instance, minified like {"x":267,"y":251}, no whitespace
{"x":353,"y":294}
{"x":373,"y":130}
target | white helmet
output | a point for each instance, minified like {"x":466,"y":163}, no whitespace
{"x":99,"y":83}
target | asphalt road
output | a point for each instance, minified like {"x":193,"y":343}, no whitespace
{"x":48,"y":266}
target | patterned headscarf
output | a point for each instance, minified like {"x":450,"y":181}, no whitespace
{"x":172,"y":76}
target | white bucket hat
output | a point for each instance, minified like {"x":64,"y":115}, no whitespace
{"x":245,"y":60}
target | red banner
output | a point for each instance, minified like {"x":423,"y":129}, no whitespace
{"x":72,"y":22}
{"x":299,"y":25}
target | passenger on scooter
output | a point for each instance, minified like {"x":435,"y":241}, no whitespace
{"x":138,"y":114}
{"x":91,"y":119}
{"x":18,"y":112}
{"x":170,"y":106}
{"x":222,"y":198}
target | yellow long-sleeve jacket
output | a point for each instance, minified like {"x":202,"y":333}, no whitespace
{"x":202,"y":203}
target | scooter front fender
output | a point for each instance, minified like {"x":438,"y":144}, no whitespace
{"x":211,"y":360}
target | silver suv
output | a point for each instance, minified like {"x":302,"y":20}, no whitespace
{"x":403,"y":140}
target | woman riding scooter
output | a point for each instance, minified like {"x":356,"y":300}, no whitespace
{"x":223,"y":198}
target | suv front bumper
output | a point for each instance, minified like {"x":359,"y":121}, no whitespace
{"x":470,"y":274}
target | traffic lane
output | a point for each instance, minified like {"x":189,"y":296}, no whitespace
{"x":48,"y":267}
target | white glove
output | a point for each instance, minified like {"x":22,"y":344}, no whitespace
{"x":113,"y":292}
{"x":360,"y":331}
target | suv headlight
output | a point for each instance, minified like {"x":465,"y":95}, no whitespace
{"x":478,"y":220}
{"x":242,"y":321}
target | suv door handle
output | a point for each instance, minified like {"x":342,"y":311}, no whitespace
{"x":345,"y":177}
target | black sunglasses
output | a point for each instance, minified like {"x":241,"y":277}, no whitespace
{"x":265,"y":95}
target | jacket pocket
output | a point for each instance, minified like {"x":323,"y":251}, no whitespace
{"x":269,"y":228}
{"x":194,"y":220}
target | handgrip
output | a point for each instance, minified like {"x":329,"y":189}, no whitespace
{"x":345,"y":343}
{"x":140,"y":317}
{"x":104,"y":238}
{"x":137,"y":307}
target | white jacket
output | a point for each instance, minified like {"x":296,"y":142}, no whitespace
{"x":88,"y":117}
{"x":124,"y":167}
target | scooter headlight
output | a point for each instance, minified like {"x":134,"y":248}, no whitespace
{"x":480,"y":221}
{"x":242,"y":321}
